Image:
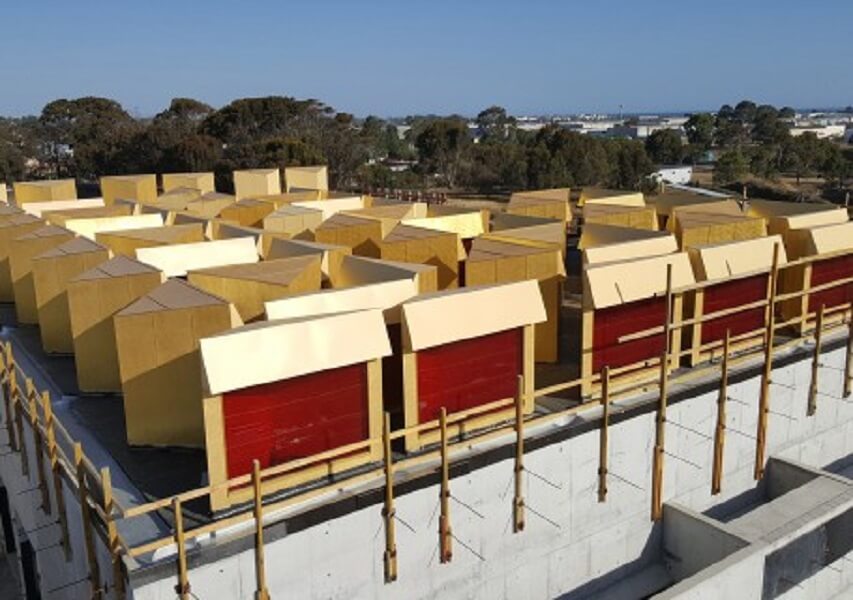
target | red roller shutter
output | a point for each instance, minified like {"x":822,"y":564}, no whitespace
{"x":729,"y":295}
{"x":299,"y":417}
{"x":617,"y":321}
{"x":826,"y":271}
{"x":469,"y":373}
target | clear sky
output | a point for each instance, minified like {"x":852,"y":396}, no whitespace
{"x":393,"y":58}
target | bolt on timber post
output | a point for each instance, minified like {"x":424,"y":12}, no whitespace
{"x":603,"y":438}
{"x":445,"y":547}
{"x":720,"y":430}
{"x":388,"y":511}
{"x":518,"y":497}
{"x":764,"y":397}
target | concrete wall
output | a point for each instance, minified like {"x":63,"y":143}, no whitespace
{"x":577,"y":544}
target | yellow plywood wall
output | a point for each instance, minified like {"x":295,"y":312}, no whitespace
{"x":11,"y":227}
{"x":22,"y":251}
{"x":60,"y":217}
{"x":499,"y":261}
{"x":141,"y":188}
{"x":247,"y":287}
{"x":93,"y":298}
{"x":295,"y":221}
{"x":126,"y":242}
{"x":363,"y":235}
{"x":44,"y":191}
{"x":251,"y":183}
{"x":52,"y":272}
{"x":425,"y":247}
{"x":161,"y":369}
{"x":701,"y":229}
{"x":307,"y":178}
{"x":200,"y":181}
{"x":249,"y":212}
{"x":635,"y":217}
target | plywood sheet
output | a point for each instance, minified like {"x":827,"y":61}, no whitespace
{"x":200,"y":181}
{"x":358,"y":270}
{"x":307,"y":178}
{"x":363,"y":235}
{"x":44,"y":191}
{"x":140,"y":188}
{"x":21,"y":253}
{"x":45,"y":209}
{"x":732,"y":259}
{"x":248,"y":287}
{"x":94,"y":297}
{"x":52,"y":272}
{"x":127,"y":241}
{"x":443,"y":317}
{"x":89,"y":226}
{"x":425,"y":246}
{"x":549,"y":204}
{"x":12,"y":226}
{"x":618,"y":283}
{"x":331,"y":257}
{"x":157,"y":339}
{"x":176,"y":259}
{"x":295,"y":221}
{"x":256,"y":182}
{"x":637,"y":217}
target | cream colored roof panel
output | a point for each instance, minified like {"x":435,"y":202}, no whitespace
{"x":88,"y":227}
{"x":360,"y":270}
{"x":604,"y":196}
{"x":776,"y":208}
{"x":782,"y":224}
{"x":824,"y":239}
{"x":618,"y":283}
{"x":37,"y":209}
{"x":465,"y":225}
{"x":272,"y":351}
{"x":721,"y":261}
{"x":331,"y":207}
{"x":466,"y":313}
{"x":175,"y":260}
{"x":386,"y":296}
{"x":595,"y":235}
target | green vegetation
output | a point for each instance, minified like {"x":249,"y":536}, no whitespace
{"x":89,"y":137}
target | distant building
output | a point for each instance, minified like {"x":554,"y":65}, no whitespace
{"x":681,"y":174}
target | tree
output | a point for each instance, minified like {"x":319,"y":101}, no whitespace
{"x":768,"y":126}
{"x":83,"y":137}
{"x":732,"y":166}
{"x":803,"y":154}
{"x":700,"y":130}
{"x":664,"y":146}
{"x":494,"y":124}
{"x":441,"y":146}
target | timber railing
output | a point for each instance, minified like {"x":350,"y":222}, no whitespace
{"x":61,"y":460}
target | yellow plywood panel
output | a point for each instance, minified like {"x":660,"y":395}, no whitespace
{"x":294,"y":221}
{"x":209,"y":205}
{"x":591,"y":195}
{"x":700,"y":229}
{"x":45,"y":209}
{"x":21,"y":253}
{"x":424,"y":246}
{"x":44,"y":191}
{"x":60,"y":217}
{"x":546,"y":204}
{"x":11,"y":227}
{"x":248,"y":212}
{"x":618,"y":283}
{"x":360,"y":271}
{"x":250,"y":183}
{"x":93,"y":298}
{"x":4,"y":195}
{"x":494,"y":260}
{"x":307,"y":178}
{"x":784,"y":223}
{"x":716,"y":207}
{"x":141,"y":188}
{"x":200,"y":181}
{"x":731,"y":259}
{"x":52,"y":272}
{"x":466,"y":225}
{"x":637,"y":217}
{"x":248,"y":287}
{"x":89,"y":227}
{"x":331,"y":256}
{"x":362,"y":235}
{"x":126,"y":242}
{"x":157,"y":339}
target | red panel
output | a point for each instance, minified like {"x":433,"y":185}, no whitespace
{"x":290,"y":419}
{"x":469,"y":373}
{"x":729,"y":295}
{"x":612,"y":323}
{"x":826,"y":271}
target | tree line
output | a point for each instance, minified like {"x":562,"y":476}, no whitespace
{"x":89,"y":137}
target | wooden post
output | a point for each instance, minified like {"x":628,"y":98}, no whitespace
{"x":388,"y":510}
{"x":813,"y":387}
{"x":445,"y":546}
{"x":112,"y":533}
{"x":39,"y":447}
{"x":55,"y":468}
{"x":848,"y":363}
{"x":660,"y":425}
{"x":518,"y":497}
{"x":8,"y":367}
{"x":183,"y":587}
{"x":604,"y":432}
{"x":261,"y":591}
{"x":720,"y":431}
{"x":96,"y":591}
{"x":764,"y":397}
{"x":19,"y":425}
{"x":660,"y":431}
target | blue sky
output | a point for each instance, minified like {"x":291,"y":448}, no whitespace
{"x":405,"y":57}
